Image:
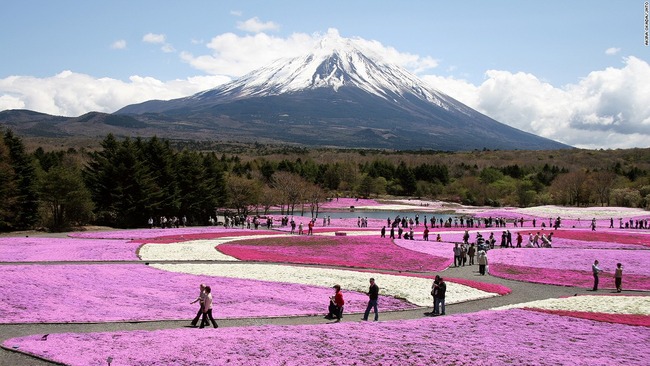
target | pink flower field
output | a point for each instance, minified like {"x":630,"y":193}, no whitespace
{"x":468,"y":339}
{"x":130,"y":292}
{"x":571,"y":267}
{"x":134,"y":234}
{"x":629,"y":319}
{"x":349,"y":251}
{"x":638,"y":238}
{"x":26,"y":249}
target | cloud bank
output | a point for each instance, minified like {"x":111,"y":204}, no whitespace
{"x":605,"y":109}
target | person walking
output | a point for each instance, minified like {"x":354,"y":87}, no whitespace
{"x":200,"y":299}
{"x":618,"y":277}
{"x":442,"y":289}
{"x":595,"y":270}
{"x":482,"y":262}
{"x":207,"y":309}
{"x":373,"y":295}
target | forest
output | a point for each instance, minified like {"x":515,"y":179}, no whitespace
{"x":124,"y":181}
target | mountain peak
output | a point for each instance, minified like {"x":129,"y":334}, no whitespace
{"x":334,"y":62}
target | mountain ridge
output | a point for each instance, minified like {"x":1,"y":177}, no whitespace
{"x":339,"y":94}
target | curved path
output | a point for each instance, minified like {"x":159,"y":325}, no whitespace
{"x":521,"y":292}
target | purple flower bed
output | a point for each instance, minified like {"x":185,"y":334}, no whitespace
{"x":119,"y":292}
{"x":523,"y":338}
{"x":629,"y":319}
{"x":566,"y":277}
{"x":24,"y":249}
{"x":156,"y":232}
{"x":349,"y":251}
{"x":634,"y":261}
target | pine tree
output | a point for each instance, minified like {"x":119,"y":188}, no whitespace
{"x":25,"y":201}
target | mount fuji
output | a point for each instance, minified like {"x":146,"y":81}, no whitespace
{"x":340,"y":94}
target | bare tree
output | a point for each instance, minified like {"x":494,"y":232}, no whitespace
{"x":602,"y":183}
{"x":242,"y":193}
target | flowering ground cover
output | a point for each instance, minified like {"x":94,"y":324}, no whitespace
{"x":414,"y":289}
{"x":130,"y":292}
{"x":190,"y":250}
{"x":466,"y":339}
{"x":571,"y":267}
{"x":356,"y":251}
{"x":631,"y":310}
{"x":638,"y":238}
{"x":135,"y":234}
{"x":224,"y":233}
{"x":26,"y":249}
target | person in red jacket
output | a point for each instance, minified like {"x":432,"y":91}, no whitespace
{"x":336,"y":305}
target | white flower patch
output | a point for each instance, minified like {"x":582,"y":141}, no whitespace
{"x":582,"y":212}
{"x":639,"y":305}
{"x":348,"y":233}
{"x":192,"y":250}
{"x":413,"y":289}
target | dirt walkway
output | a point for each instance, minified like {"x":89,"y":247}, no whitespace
{"x":521,"y":292}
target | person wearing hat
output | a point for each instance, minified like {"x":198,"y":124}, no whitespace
{"x":336,"y":304}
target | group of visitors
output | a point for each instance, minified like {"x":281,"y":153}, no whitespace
{"x":165,"y":222}
{"x":618,"y":276}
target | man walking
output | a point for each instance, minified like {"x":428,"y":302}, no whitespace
{"x":373,"y":295}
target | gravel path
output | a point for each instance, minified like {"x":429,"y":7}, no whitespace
{"x":521,"y":292}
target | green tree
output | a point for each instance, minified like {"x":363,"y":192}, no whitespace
{"x":7,"y":188}
{"x":65,"y":201}
{"x":24,"y":205}
{"x":123,"y":189}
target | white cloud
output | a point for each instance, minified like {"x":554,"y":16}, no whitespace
{"x":159,"y":39}
{"x":612,"y":51}
{"x":236,"y":55}
{"x":153,"y":38}
{"x":167,"y":48}
{"x":119,"y":45}
{"x":236,"y":13}
{"x":254,"y":25}
{"x":607,"y":108}
{"x":73,"y":94}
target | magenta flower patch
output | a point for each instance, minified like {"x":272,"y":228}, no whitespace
{"x":350,"y":251}
{"x":25,"y":249}
{"x":511,"y":337}
{"x":130,"y":292}
{"x":567,"y":277}
{"x":629,"y":319}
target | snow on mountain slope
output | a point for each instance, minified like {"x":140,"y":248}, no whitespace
{"x":334,"y":63}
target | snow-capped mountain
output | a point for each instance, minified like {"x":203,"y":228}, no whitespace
{"x":339,"y":94}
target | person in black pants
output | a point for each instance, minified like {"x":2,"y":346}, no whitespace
{"x":207,"y":309}
{"x":373,"y":295}
{"x":200,"y":299}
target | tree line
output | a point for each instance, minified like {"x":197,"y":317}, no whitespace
{"x":126,"y":181}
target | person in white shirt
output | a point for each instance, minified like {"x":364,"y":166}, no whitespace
{"x":207,"y":309}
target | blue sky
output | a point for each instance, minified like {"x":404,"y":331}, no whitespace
{"x":574,"y":71}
